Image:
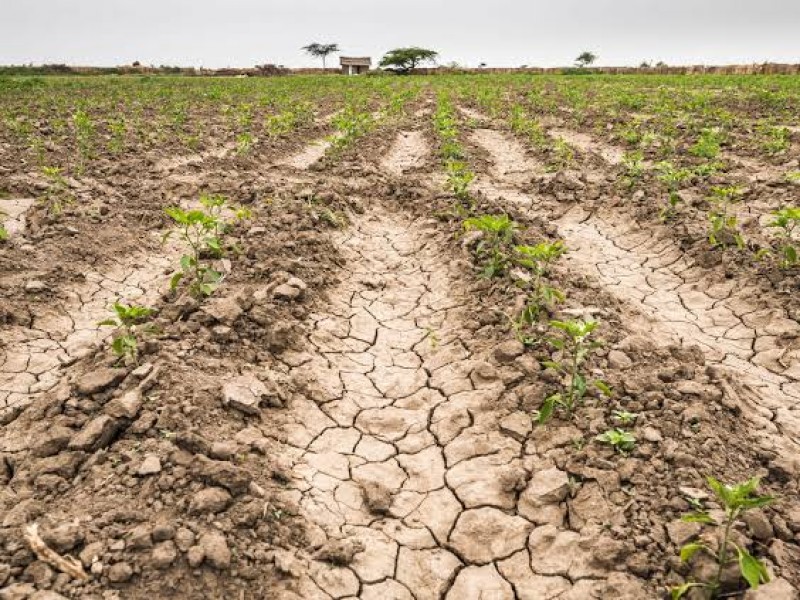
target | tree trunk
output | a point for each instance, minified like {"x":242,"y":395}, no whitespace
{"x":323,"y":61}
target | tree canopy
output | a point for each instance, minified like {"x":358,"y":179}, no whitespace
{"x":321,"y":50}
{"x":585,"y":59}
{"x":404,"y":60}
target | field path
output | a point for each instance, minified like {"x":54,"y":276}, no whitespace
{"x":650,"y":273}
{"x":403,"y":461}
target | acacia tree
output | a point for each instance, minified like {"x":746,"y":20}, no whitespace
{"x":405,"y":60}
{"x":321,"y":50}
{"x":585,"y":59}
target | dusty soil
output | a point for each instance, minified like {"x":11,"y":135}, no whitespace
{"x":348,"y":415}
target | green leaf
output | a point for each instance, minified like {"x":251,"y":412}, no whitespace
{"x":689,"y":550}
{"x":679,"y":591}
{"x":604,"y":388}
{"x":698,"y":517}
{"x":546,"y":411}
{"x":111,"y":322}
{"x":753,"y":570}
{"x":175,"y":280}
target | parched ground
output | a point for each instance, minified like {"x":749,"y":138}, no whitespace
{"x":348,"y":415}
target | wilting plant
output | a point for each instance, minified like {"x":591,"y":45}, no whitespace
{"x":492,"y":249}
{"x":575,"y":345}
{"x":131,"y":323}
{"x":724,"y":226}
{"x":735,"y":499}
{"x":787,"y":221}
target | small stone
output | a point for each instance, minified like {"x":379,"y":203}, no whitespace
{"x":681,"y":532}
{"x":184,"y":539}
{"x":163,"y":531}
{"x":150,"y":466}
{"x":618,"y":360}
{"x":224,"y":450}
{"x":34,"y":286}
{"x":224,"y":310}
{"x":244,"y":393}
{"x":120,"y":572}
{"x":651,"y":434}
{"x":340,"y":552}
{"x":97,"y":433}
{"x":163,"y":555}
{"x":220,"y":473}
{"x":517,"y":425}
{"x":99,"y":380}
{"x":126,"y":406}
{"x":140,"y":538}
{"x":210,"y":500}
{"x":508,"y":351}
{"x":377,"y":497}
{"x":64,"y":537}
{"x":52,"y":441}
{"x":759,"y":525}
{"x":286,"y":292}
{"x":195,"y":556}
{"x":777,"y":589}
{"x":91,"y":553}
{"x":215,"y":549}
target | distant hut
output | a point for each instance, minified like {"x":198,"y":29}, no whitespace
{"x":355,"y":65}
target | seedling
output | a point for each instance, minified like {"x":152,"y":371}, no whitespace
{"x":673,"y":179}
{"x":625,"y":418}
{"x":778,"y":140}
{"x":724,"y":226}
{"x":707,"y":145}
{"x":736,"y":500}
{"x":55,"y":196}
{"x":498,"y":232}
{"x":459,"y":177}
{"x":84,"y":131}
{"x":787,"y":220}
{"x":3,"y":232}
{"x":619,"y":439}
{"x":201,"y":231}
{"x":575,"y":344}
{"x":131,"y":322}
{"x":634,"y":167}
{"x":537,"y":260}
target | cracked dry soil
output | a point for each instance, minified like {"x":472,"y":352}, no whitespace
{"x":399,"y":455}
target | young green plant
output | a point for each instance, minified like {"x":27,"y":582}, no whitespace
{"x":575,"y":344}
{"x":493,"y":247}
{"x":735,"y":500}
{"x":130,"y":320}
{"x":787,"y":221}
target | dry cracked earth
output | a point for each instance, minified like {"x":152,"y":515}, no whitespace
{"x":415,"y":480}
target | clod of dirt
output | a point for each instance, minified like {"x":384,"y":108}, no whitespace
{"x":340,"y":552}
{"x":377,"y":497}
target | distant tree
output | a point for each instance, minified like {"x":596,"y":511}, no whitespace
{"x":661,"y":63}
{"x":405,"y":60}
{"x":482,"y":65}
{"x":644,"y":65}
{"x":585,"y":59}
{"x":321,"y":50}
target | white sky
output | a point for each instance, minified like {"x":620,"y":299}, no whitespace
{"x":501,"y":32}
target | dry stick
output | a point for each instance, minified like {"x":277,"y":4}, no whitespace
{"x":68,"y":564}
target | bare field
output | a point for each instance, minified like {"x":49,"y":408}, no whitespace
{"x":408,"y":338}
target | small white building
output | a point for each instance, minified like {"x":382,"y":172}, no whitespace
{"x":355,"y":65}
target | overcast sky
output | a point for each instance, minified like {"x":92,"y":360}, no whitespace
{"x":499,"y":32}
